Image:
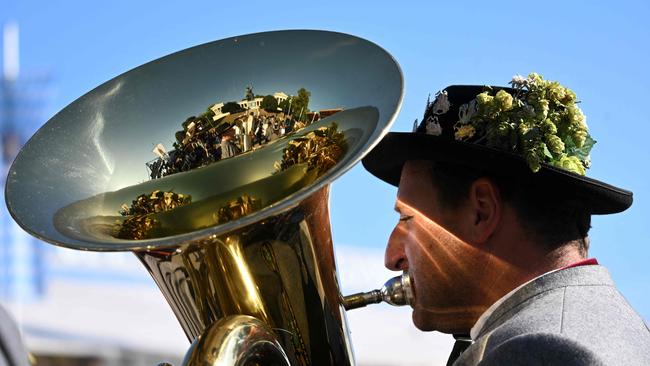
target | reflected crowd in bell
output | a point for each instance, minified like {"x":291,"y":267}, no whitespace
{"x":227,"y":130}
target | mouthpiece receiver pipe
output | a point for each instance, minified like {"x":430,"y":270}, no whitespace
{"x":397,"y":292}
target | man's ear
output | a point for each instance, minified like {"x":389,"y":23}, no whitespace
{"x":486,"y":208}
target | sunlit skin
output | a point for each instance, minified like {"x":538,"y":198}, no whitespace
{"x":461,"y":260}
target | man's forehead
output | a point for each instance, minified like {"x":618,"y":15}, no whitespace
{"x":414,"y":169}
{"x":415,"y":182}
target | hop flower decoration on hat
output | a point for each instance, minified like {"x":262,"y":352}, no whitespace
{"x":539,"y":120}
{"x":532,"y":131}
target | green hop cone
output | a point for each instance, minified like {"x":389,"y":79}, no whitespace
{"x":569,"y":97}
{"x":570,"y":163}
{"x":555,"y":91}
{"x":549,"y":127}
{"x":534,"y":79}
{"x":523,"y":127}
{"x":577,"y":125}
{"x":485,"y":103}
{"x":554,"y":143}
{"x":503,"y":100}
{"x":542,"y":109}
{"x":484,"y":98}
{"x":579,"y":137}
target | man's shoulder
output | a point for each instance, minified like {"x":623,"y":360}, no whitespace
{"x":572,"y":300}
{"x":588,"y":324}
{"x":541,"y":349}
{"x":575,"y":313}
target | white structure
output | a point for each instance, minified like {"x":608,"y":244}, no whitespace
{"x":219,"y":116}
{"x":280,"y":97}
{"x":251,"y":104}
{"x":248,"y":104}
{"x":11,"y":55}
{"x":217,"y":108}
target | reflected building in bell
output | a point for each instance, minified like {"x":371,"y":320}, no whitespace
{"x":254,"y":103}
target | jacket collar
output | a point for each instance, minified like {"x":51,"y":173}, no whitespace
{"x":507,"y":306}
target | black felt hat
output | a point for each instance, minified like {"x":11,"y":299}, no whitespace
{"x":435,"y":139}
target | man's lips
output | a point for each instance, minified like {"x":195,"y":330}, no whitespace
{"x":412,"y":286}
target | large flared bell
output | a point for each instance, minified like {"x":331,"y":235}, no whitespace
{"x":254,"y":240}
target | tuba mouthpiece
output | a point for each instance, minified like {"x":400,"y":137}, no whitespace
{"x":397,"y":292}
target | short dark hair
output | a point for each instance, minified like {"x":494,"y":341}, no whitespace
{"x":552,"y":215}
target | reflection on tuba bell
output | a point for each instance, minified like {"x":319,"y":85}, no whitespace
{"x":233,"y":222}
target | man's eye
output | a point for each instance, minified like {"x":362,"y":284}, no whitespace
{"x":405,"y":218}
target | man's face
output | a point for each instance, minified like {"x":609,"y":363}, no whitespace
{"x":427,"y":241}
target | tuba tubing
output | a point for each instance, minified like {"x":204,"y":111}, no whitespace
{"x":240,"y":340}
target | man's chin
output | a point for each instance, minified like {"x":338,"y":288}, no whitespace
{"x":422,"y":322}
{"x":427,"y":322}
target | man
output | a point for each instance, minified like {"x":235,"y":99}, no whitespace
{"x":228,"y":147}
{"x":494,"y":212}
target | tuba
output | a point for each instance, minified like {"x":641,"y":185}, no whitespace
{"x":247,"y":266}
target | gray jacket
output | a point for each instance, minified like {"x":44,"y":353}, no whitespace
{"x":575,"y":316}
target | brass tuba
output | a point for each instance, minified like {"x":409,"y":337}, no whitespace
{"x":260,"y":287}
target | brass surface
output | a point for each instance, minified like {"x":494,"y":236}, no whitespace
{"x":280,"y":270}
{"x":237,"y":340}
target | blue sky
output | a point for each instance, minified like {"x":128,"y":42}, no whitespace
{"x":599,"y":49}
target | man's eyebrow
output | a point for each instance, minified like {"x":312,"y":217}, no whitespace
{"x":396,"y":208}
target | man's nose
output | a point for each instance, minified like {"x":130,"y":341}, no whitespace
{"x":395,"y":258}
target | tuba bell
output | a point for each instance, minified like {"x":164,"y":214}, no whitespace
{"x":248,"y":265}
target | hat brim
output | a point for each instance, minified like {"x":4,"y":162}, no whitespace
{"x":386,"y":160}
